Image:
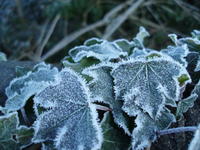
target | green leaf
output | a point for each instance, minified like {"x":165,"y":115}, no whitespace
{"x":188,"y":102}
{"x":139,"y":39}
{"x":178,"y":53}
{"x":197,"y":68}
{"x":13,"y":136}
{"x":69,"y":117}
{"x":185,"y":104}
{"x":145,"y":132}
{"x":23,"y":87}
{"x":101,"y":88}
{"x":79,"y":66}
{"x":114,"y":138}
{"x":103,"y":51}
{"x":125,"y":45}
{"x":149,"y":82}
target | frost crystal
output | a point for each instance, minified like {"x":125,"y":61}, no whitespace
{"x":149,"y":82}
{"x":178,"y":53}
{"x":13,"y":136}
{"x":145,"y":132}
{"x":101,"y":50}
{"x":101,"y":88}
{"x":140,"y":37}
{"x":71,"y":120}
{"x":22,"y":88}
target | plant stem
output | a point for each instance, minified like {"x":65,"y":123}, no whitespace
{"x":177,"y":130}
{"x":104,"y":108}
{"x":25,"y":116}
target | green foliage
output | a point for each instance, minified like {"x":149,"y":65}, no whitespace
{"x":113,"y":137}
{"x":140,"y":86}
{"x":12,"y":135}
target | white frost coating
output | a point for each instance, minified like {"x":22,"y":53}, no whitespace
{"x":178,"y":53}
{"x":101,"y":88}
{"x":11,"y":127}
{"x":197,"y":68}
{"x":22,"y":88}
{"x":147,"y":75}
{"x":72,"y":122}
{"x":144,"y":133}
{"x":104,"y":51}
{"x":141,"y":35}
{"x":195,"y":143}
{"x":60,"y":135}
{"x":174,"y":38}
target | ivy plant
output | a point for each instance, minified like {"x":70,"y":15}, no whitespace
{"x":108,"y":95}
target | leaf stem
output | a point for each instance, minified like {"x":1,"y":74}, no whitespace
{"x":25,"y":116}
{"x":177,"y":130}
{"x":104,"y":108}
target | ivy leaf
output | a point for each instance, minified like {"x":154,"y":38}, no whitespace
{"x":2,"y":57}
{"x":188,"y":102}
{"x":195,"y":143}
{"x":178,"y":53}
{"x":149,"y":81}
{"x":145,"y":132}
{"x":193,"y":42}
{"x":198,"y":65}
{"x":101,"y":88}
{"x":197,"y":89}
{"x":79,"y":66}
{"x":102,"y":50}
{"x":126,"y":45}
{"x":70,"y":116}
{"x":139,"y":39}
{"x":185,"y":104}
{"x":114,"y":138}
{"x":13,"y":136}
{"x":22,"y":88}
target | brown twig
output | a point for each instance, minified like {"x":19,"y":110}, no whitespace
{"x":70,"y":38}
{"x":117,"y":22}
{"x":46,"y":39}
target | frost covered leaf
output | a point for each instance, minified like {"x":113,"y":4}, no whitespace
{"x":149,"y":81}
{"x":101,"y":88}
{"x":126,"y":45}
{"x":197,"y":89}
{"x":114,"y":139}
{"x":185,"y":104}
{"x":71,"y":120}
{"x":2,"y":57}
{"x":22,"y":88}
{"x":145,"y":132}
{"x":101,"y":50}
{"x":138,"y":53}
{"x":195,"y":143}
{"x":188,"y":102}
{"x":139,"y":39}
{"x":178,"y":53}
{"x":198,"y":65}
{"x":193,"y":42}
{"x":79,"y":66}
{"x":13,"y":136}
